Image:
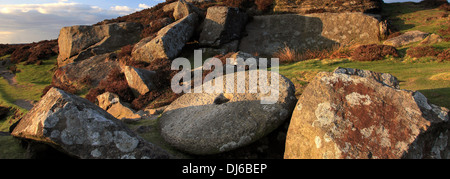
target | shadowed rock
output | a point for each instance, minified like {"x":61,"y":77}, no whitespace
{"x":169,"y":41}
{"x":270,"y":33}
{"x":222,"y":25}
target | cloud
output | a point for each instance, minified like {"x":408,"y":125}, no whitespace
{"x":144,"y":6}
{"x":123,"y":10}
{"x":24,"y":23}
{"x":5,"y":33}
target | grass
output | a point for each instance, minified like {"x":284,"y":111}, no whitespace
{"x":153,"y":136}
{"x":413,"y":75}
{"x":409,"y":16}
{"x":31,"y":80}
{"x":5,"y":57}
{"x":10,"y":148}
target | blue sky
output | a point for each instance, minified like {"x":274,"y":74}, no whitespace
{"x":24,"y":21}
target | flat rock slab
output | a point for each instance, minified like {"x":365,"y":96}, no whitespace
{"x":406,"y":38}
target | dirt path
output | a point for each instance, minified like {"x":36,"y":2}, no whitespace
{"x":12,"y":81}
{"x":8,"y":76}
{"x":26,"y":104}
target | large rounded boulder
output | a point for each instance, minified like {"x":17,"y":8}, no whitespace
{"x":211,"y":123}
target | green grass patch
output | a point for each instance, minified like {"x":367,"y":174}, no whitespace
{"x":409,"y":16}
{"x":153,"y":135}
{"x":31,"y":80}
{"x":5,"y":57}
{"x":10,"y":148}
{"x":413,"y":75}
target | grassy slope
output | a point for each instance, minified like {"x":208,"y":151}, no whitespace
{"x":31,"y":79}
{"x":413,"y":76}
{"x":10,"y":148}
{"x":409,"y":16}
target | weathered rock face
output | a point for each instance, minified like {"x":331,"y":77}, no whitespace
{"x":406,"y":38}
{"x":268,"y":34}
{"x":111,"y":103}
{"x":81,"y":42}
{"x":202,"y":123}
{"x":432,"y":39}
{"x":384,"y":78}
{"x":349,"y":116}
{"x":222,"y":24}
{"x":183,"y":9}
{"x":95,"y":68}
{"x":169,"y":41}
{"x":312,"y":6}
{"x":81,"y":129}
{"x":139,"y":80}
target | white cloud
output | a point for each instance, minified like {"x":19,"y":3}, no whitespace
{"x":123,"y":10}
{"x":5,"y":33}
{"x":144,"y":6}
{"x":24,"y":23}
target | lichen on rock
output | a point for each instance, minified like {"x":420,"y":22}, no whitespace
{"x":357,"y":115}
{"x":81,"y":129}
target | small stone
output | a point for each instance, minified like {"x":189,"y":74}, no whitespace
{"x":406,"y":38}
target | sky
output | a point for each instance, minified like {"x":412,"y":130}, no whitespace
{"x":25,"y":21}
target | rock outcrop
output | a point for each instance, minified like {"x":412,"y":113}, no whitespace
{"x":406,"y":38}
{"x":267,"y":34}
{"x":81,"y":129}
{"x":432,"y":39}
{"x":203,"y":123}
{"x":349,"y":116}
{"x":111,"y":103}
{"x":169,"y":41}
{"x":313,"y":6}
{"x":81,"y":42}
{"x":94,"y":69}
{"x":222,"y":25}
{"x":139,"y":80}
{"x":183,"y":9}
{"x":383,"y":78}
